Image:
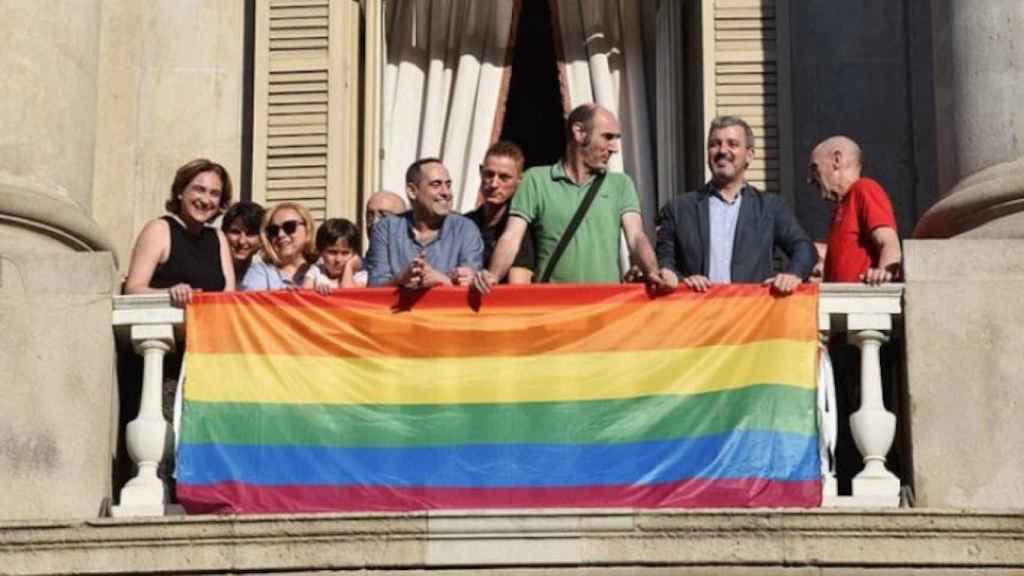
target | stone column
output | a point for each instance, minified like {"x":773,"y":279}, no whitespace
{"x":979,"y":71}
{"x":56,"y":346}
{"x":964,"y":310}
{"x":48,"y":52}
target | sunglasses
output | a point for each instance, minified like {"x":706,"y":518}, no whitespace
{"x":289,"y":228}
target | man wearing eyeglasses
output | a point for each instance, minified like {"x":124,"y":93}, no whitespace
{"x":429,"y":245}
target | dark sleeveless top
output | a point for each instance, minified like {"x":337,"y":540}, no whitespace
{"x":194,"y":260}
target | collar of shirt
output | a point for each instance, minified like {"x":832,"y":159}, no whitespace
{"x":558,"y":173}
{"x":410,"y":229}
{"x":713,"y":190}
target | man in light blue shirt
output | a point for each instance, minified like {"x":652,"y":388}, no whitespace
{"x":727,"y":230}
{"x":428,"y":245}
{"x":722,"y":216}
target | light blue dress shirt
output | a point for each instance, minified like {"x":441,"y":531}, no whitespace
{"x":722,"y":218}
{"x":263,"y":276}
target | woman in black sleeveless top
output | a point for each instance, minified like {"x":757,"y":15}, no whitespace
{"x":179,"y":252}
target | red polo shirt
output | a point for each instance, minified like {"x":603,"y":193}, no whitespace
{"x":850,"y":249}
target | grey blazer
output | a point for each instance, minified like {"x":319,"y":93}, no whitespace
{"x":764,"y":222}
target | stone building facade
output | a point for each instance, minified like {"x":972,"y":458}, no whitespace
{"x":105,"y":98}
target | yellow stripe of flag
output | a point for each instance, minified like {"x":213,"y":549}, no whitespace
{"x":546,"y":378}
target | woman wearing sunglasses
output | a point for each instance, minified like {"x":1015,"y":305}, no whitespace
{"x":180,"y":253}
{"x":287,"y":236}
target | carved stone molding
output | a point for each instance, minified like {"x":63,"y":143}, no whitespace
{"x":595,"y":541}
{"x":989,"y":204}
{"x":52,"y":220}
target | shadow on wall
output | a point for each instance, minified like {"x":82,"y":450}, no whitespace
{"x":873,"y":81}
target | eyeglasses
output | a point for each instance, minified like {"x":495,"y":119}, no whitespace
{"x":289,"y":228}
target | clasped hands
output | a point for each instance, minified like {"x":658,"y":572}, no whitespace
{"x":420,"y":274}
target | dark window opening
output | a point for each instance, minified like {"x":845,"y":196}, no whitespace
{"x":533,"y":110}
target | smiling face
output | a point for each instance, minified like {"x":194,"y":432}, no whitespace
{"x":200,"y":200}
{"x":729,"y":155}
{"x":288,"y":235}
{"x":598,"y":147}
{"x":432,"y":195}
{"x":243,"y":242}
{"x":499,"y":177}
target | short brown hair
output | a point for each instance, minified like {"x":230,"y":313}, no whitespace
{"x":506,"y":149}
{"x":308,"y":251}
{"x":184,"y":176}
{"x":727,"y":121}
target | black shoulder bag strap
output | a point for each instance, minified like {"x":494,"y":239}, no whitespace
{"x":570,"y":230}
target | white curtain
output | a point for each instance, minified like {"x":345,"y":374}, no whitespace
{"x":446,"y":60}
{"x":606,"y":44}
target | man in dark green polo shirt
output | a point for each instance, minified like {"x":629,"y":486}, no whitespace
{"x":549,"y":196}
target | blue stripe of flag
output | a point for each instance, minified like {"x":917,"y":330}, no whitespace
{"x":738,"y":454}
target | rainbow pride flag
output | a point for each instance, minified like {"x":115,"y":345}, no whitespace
{"x":543,"y":396}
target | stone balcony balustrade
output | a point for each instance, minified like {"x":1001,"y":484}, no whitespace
{"x":864,"y":315}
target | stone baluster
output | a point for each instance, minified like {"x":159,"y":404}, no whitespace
{"x":873,"y":427}
{"x":827,"y":420}
{"x":147,"y":435}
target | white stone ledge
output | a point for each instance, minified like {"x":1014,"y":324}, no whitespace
{"x":912,"y":541}
{"x":852,"y":307}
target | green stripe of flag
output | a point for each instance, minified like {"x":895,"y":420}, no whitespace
{"x":760,"y":407}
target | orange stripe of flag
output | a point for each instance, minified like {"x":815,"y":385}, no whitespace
{"x":310,"y":326}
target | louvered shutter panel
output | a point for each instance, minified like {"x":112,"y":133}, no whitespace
{"x":741,"y":77}
{"x":305,"y":100}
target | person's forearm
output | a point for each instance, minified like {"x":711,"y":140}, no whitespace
{"x":802,"y":258}
{"x":142,"y":289}
{"x":519,"y":275}
{"x":890,"y":255}
{"x":888,"y":243}
{"x":504,"y":255}
{"x":644,"y":255}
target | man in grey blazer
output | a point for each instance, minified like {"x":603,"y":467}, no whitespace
{"x":727,"y":230}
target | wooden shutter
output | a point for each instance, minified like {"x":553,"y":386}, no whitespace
{"x":741,"y":77}
{"x":305,"y":105}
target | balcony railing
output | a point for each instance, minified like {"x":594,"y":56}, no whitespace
{"x":863,"y":315}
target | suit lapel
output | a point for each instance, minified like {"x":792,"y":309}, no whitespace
{"x":704,"y":228}
{"x":743,"y":221}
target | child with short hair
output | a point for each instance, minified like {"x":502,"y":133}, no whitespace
{"x":339,"y":244}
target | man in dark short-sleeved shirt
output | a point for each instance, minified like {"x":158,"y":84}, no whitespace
{"x":428,"y":245}
{"x":500,"y":174}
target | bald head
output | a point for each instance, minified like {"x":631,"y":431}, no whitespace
{"x":381,"y":204}
{"x":848,"y":150}
{"x":593,"y":135}
{"x":835,"y":165}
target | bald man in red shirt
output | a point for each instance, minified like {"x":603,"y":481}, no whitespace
{"x":862,"y":243}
